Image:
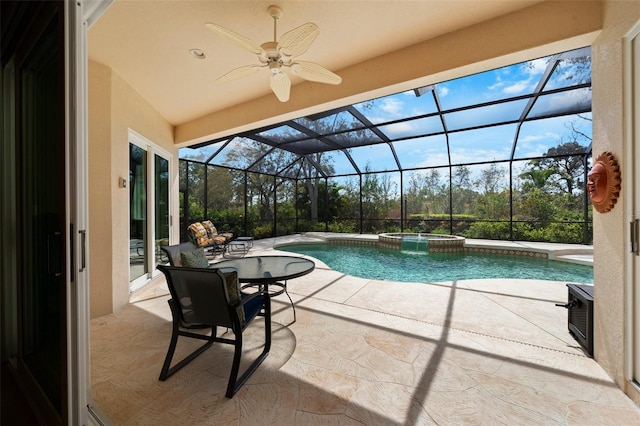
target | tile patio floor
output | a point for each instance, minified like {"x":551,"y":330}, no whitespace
{"x":367,"y":352}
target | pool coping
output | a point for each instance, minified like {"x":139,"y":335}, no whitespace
{"x":570,"y":253}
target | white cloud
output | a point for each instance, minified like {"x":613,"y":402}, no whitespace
{"x":517,"y":87}
{"x":530,"y":138}
{"x":498,"y":84}
{"x":392,"y":106}
{"x":399,"y":128}
{"x":536,"y":144}
{"x":431,"y":161}
{"x":467,"y":155}
{"x":443,"y":91}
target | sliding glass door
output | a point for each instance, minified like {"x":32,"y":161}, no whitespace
{"x":35,"y":230}
{"x":161,"y":205}
{"x":149,"y":219}
{"x":138,"y":264}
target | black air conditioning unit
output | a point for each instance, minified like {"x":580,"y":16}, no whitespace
{"x":580,"y":308}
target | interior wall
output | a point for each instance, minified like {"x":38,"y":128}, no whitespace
{"x":610,"y":239}
{"x":114,"y":108}
{"x":99,"y":152}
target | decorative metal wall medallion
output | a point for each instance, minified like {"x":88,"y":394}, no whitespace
{"x":603,"y":185}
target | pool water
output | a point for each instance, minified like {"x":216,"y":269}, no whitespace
{"x":413,"y":266}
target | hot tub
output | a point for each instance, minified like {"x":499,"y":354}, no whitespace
{"x":432,"y":243}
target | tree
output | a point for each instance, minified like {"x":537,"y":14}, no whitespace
{"x":491,"y":178}
{"x":563,"y":170}
{"x":336,"y":205}
{"x":565,"y":167}
{"x":426,"y":193}
{"x":220,"y":189}
{"x":379,"y":197}
{"x":535,"y":177}
{"x":312,"y":178}
{"x":462,"y":190}
{"x":461,"y":177}
{"x":263,"y":163}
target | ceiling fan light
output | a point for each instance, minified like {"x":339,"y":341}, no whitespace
{"x":274,"y":67}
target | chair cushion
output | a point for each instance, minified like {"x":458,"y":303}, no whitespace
{"x":210,"y":228}
{"x":194,"y":259}
{"x":198,"y":235}
{"x":219,"y":240}
{"x":233,"y":290}
{"x":212,"y":232}
{"x":252,"y":307}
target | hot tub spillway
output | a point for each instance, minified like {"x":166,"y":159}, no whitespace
{"x":415,"y":243}
{"x":428,"y":243}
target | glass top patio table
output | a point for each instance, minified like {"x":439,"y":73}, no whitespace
{"x":266,"y":269}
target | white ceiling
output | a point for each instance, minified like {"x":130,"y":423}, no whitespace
{"x":147,"y":43}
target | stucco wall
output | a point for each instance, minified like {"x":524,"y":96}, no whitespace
{"x":100,"y":229}
{"x":610,"y":239}
{"x":115,"y":107}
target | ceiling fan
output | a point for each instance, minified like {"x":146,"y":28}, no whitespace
{"x":277,"y":55}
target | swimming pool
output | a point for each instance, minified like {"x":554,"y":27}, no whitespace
{"x":412,"y":266}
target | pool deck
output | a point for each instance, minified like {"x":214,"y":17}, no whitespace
{"x":369,"y":352}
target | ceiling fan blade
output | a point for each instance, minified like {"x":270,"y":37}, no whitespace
{"x":314,"y":72}
{"x":281,"y":86}
{"x":298,"y":40}
{"x":236,"y":38}
{"x":239,"y":73}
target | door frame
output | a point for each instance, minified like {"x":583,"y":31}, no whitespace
{"x":78,"y":277}
{"x":631,"y":192}
{"x":80,"y":16}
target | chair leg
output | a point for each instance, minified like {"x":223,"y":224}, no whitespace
{"x":290,"y":300}
{"x":236,"y":382}
{"x":164,"y":373}
{"x":167,"y":370}
{"x":235,"y":367}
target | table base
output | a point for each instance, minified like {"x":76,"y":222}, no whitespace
{"x":282,"y":288}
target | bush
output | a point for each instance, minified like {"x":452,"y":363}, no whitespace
{"x":262,"y":231}
{"x":488,"y":230}
{"x":570,"y":233}
{"x":308,"y":226}
{"x":521,"y":230}
{"x":342,"y":227}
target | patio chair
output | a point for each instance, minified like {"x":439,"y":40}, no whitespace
{"x":199,"y":236}
{"x":204,"y":298}
{"x":212,"y":231}
{"x":173,"y":252}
